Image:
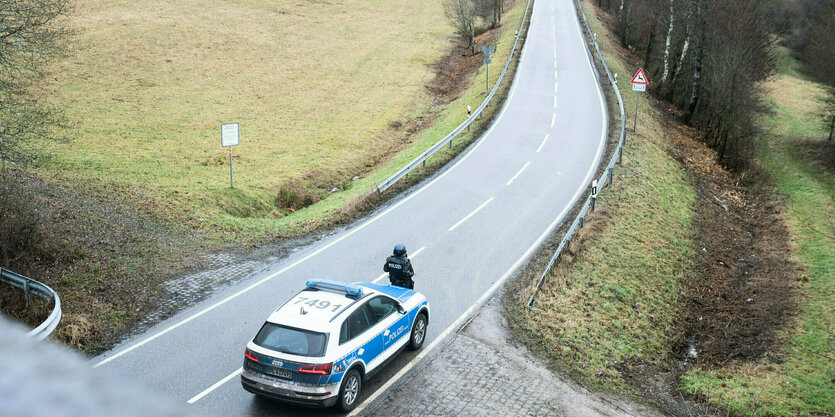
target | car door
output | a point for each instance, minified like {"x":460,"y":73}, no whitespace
{"x":355,"y":335}
{"x":392,"y":326}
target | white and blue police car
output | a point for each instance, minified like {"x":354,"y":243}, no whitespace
{"x":320,"y":346}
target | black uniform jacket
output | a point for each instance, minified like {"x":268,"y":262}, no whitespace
{"x":399,"y":269}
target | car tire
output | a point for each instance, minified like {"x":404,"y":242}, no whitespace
{"x":349,"y":392}
{"x":418,"y":332}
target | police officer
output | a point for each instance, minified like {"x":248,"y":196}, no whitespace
{"x":400,"y":268}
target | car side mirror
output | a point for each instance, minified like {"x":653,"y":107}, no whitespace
{"x":400,"y":309}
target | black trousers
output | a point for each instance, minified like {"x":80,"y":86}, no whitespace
{"x":403,"y":282}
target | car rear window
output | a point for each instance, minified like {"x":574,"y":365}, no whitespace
{"x":291,"y":340}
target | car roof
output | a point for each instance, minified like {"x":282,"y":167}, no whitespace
{"x":399,"y":293}
{"x":316,"y":307}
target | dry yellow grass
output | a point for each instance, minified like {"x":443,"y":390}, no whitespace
{"x":312,"y":84}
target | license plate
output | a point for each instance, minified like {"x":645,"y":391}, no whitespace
{"x":281,"y":373}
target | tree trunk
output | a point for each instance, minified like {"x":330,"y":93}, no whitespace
{"x":831,"y":126}
{"x":648,"y":53}
{"x":678,"y":67}
{"x":697,"y":83}
{"x":626,"y":24}
{"x":667,"y":47}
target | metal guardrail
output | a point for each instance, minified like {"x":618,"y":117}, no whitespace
{"x":30,"y":286}
{"x":421,"y":159}
{"x":605,"y":177}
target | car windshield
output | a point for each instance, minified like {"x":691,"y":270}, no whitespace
{"x":291,"y":340}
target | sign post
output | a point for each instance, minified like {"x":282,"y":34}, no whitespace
{"x":229,"y":137}
{"x":639,"y":84}
{"x":488,"y":50}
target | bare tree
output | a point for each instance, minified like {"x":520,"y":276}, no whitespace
{"x":462,"y":14}
{"x":490,"y":9}
{"x":30,"y":36}
{"x":667,"y":45}
{"x":819,"y":59}
{"x":709,"y":58}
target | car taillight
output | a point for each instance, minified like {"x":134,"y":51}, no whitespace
{"x":248,"y":354}
{"x":318,"y":369}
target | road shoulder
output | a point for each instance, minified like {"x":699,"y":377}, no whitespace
{"x":482,"y":370}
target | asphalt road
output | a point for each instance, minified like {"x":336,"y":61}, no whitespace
{"x":467,"y":230}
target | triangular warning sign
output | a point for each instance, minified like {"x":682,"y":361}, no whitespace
{"x":640,"y":77}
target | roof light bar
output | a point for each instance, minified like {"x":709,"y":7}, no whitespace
{"x":323,"y":284}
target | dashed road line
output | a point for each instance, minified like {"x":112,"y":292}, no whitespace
{"x":214,"y":387}
{"x":472,"y":213}
{"x":543,"y":142}
{"x":518,"y":173}
{"x":553,"y":119}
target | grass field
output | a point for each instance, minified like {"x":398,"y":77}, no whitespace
{"x":801,"y":384}
{"x":324,"y":93}
{"x":314,"y":86}
{"x":616,"y":301}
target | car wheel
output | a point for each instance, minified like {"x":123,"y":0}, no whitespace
{"x":349,"y":393}
{"x":418,"y":332}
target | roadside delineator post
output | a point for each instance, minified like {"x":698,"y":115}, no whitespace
{"x":469,"y":114}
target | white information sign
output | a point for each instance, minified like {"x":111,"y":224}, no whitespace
{"x":229,"y":134}
{"x":639,"y":87}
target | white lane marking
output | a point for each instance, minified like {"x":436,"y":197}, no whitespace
{"x":214,"y":387}
{"x":543,"y":143}
{"x":475,"y":146}
{"x":553,"y":119}
{"x":385,"y":274}
{"x":472,"y":213}
{"x":518,"y":173}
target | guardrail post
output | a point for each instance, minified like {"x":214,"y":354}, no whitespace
{"x":593,"y":199}
{"x":450,"y":142}
{"x":26,"y":292}
{"x":424,"y":163}
{"x":582,"y":220}
{"x":620,"y":155}
{"x":611,"y":172}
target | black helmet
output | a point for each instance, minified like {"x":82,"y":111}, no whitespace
{"x":399,"y":249}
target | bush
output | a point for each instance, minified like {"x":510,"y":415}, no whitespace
{"x":20,"y":222}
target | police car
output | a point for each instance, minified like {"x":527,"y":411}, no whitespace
{"x":320,"y":346}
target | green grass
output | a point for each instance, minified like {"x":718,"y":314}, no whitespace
{"x":616,"y":301}
{"x":803,"y":384}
